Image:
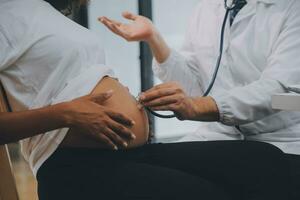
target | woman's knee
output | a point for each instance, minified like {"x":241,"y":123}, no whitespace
{"x":263,"y":147}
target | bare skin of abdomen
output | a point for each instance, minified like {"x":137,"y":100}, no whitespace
{"x":121,"y":101}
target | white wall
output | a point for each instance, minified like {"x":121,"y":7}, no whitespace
{"x":171,"y":18}
{"x":122,"y":56}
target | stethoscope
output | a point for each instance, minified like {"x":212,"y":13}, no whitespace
{"x":228,"y":8}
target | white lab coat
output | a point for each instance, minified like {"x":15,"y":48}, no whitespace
{"x":261,"y":57}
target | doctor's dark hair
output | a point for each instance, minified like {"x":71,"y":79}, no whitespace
{"x":67,"y":4}
{"x":61,"y":4}
{"x":74,"y":9}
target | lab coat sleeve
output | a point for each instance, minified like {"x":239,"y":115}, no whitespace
{"x":182,"y":66}
{"x":178,"y":69}
{"x":252,"y":102}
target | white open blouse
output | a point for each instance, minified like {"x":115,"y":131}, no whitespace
{"x":45,"y":58}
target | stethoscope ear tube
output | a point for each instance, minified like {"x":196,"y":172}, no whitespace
{"x":217,"y":67}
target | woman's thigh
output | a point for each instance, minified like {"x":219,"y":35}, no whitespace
{"x":247,"y":170}
{"x":118,"y":179}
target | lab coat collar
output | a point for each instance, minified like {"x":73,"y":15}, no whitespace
{"x":248,"y":11}
{"x":251,"y":9}
{"x":263,"y":1}
{"x":221,"y":2}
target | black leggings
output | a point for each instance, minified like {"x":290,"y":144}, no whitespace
{"x":221,"y":170}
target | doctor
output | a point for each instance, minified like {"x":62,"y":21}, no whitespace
{"x":261,"y":57}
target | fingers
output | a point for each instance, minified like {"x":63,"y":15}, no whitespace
{"x":151,"y":95}
{"x":111,"y":26}
{"x":121,"y":31}
{"x":117,"y":30}
{"x":129,"y":15}
{"x":114,"y":26}
{"x":102,"y":97}
{"x":163,"y":101}
{"x":164,"y":85}
{"x":115,"y":138}
{"x":112,"y":134}
{"x":121,"y":130}
{"x":105,"y":140}
{"x":161,"y":90}
{"x":105,"y":19}
{"x":170,"y":107}
{"x":129,"y":32}
{"x":118,"y":117}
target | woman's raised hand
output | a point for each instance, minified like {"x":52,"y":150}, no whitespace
{"x":140,"y":28}
{"x":103,"y":124}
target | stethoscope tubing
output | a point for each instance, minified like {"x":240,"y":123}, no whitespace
{"x":218,"y":63}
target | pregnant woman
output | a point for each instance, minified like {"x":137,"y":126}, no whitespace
{"x":85,"y":136}
{"x":61,"y":92}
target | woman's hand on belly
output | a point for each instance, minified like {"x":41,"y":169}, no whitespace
{"x":103,"y":124}
{"x":127,"y":111}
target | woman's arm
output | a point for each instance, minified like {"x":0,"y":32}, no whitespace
{"x":85,"y":113}
{"x":19,"y":125}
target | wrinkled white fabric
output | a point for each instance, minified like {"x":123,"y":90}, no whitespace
{"x":45,"y":58}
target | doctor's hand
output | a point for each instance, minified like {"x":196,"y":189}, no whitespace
{"x":140,"y":28}
{"x":99,"y":122}
{"x":171,"y":97}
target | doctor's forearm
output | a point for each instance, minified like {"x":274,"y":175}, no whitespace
{"x":206,"y":109}
{"x":159,"y":47}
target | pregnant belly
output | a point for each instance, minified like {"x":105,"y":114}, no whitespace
{"x":121,"y":101}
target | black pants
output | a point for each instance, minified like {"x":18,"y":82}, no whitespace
{"x":236,"y":170}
